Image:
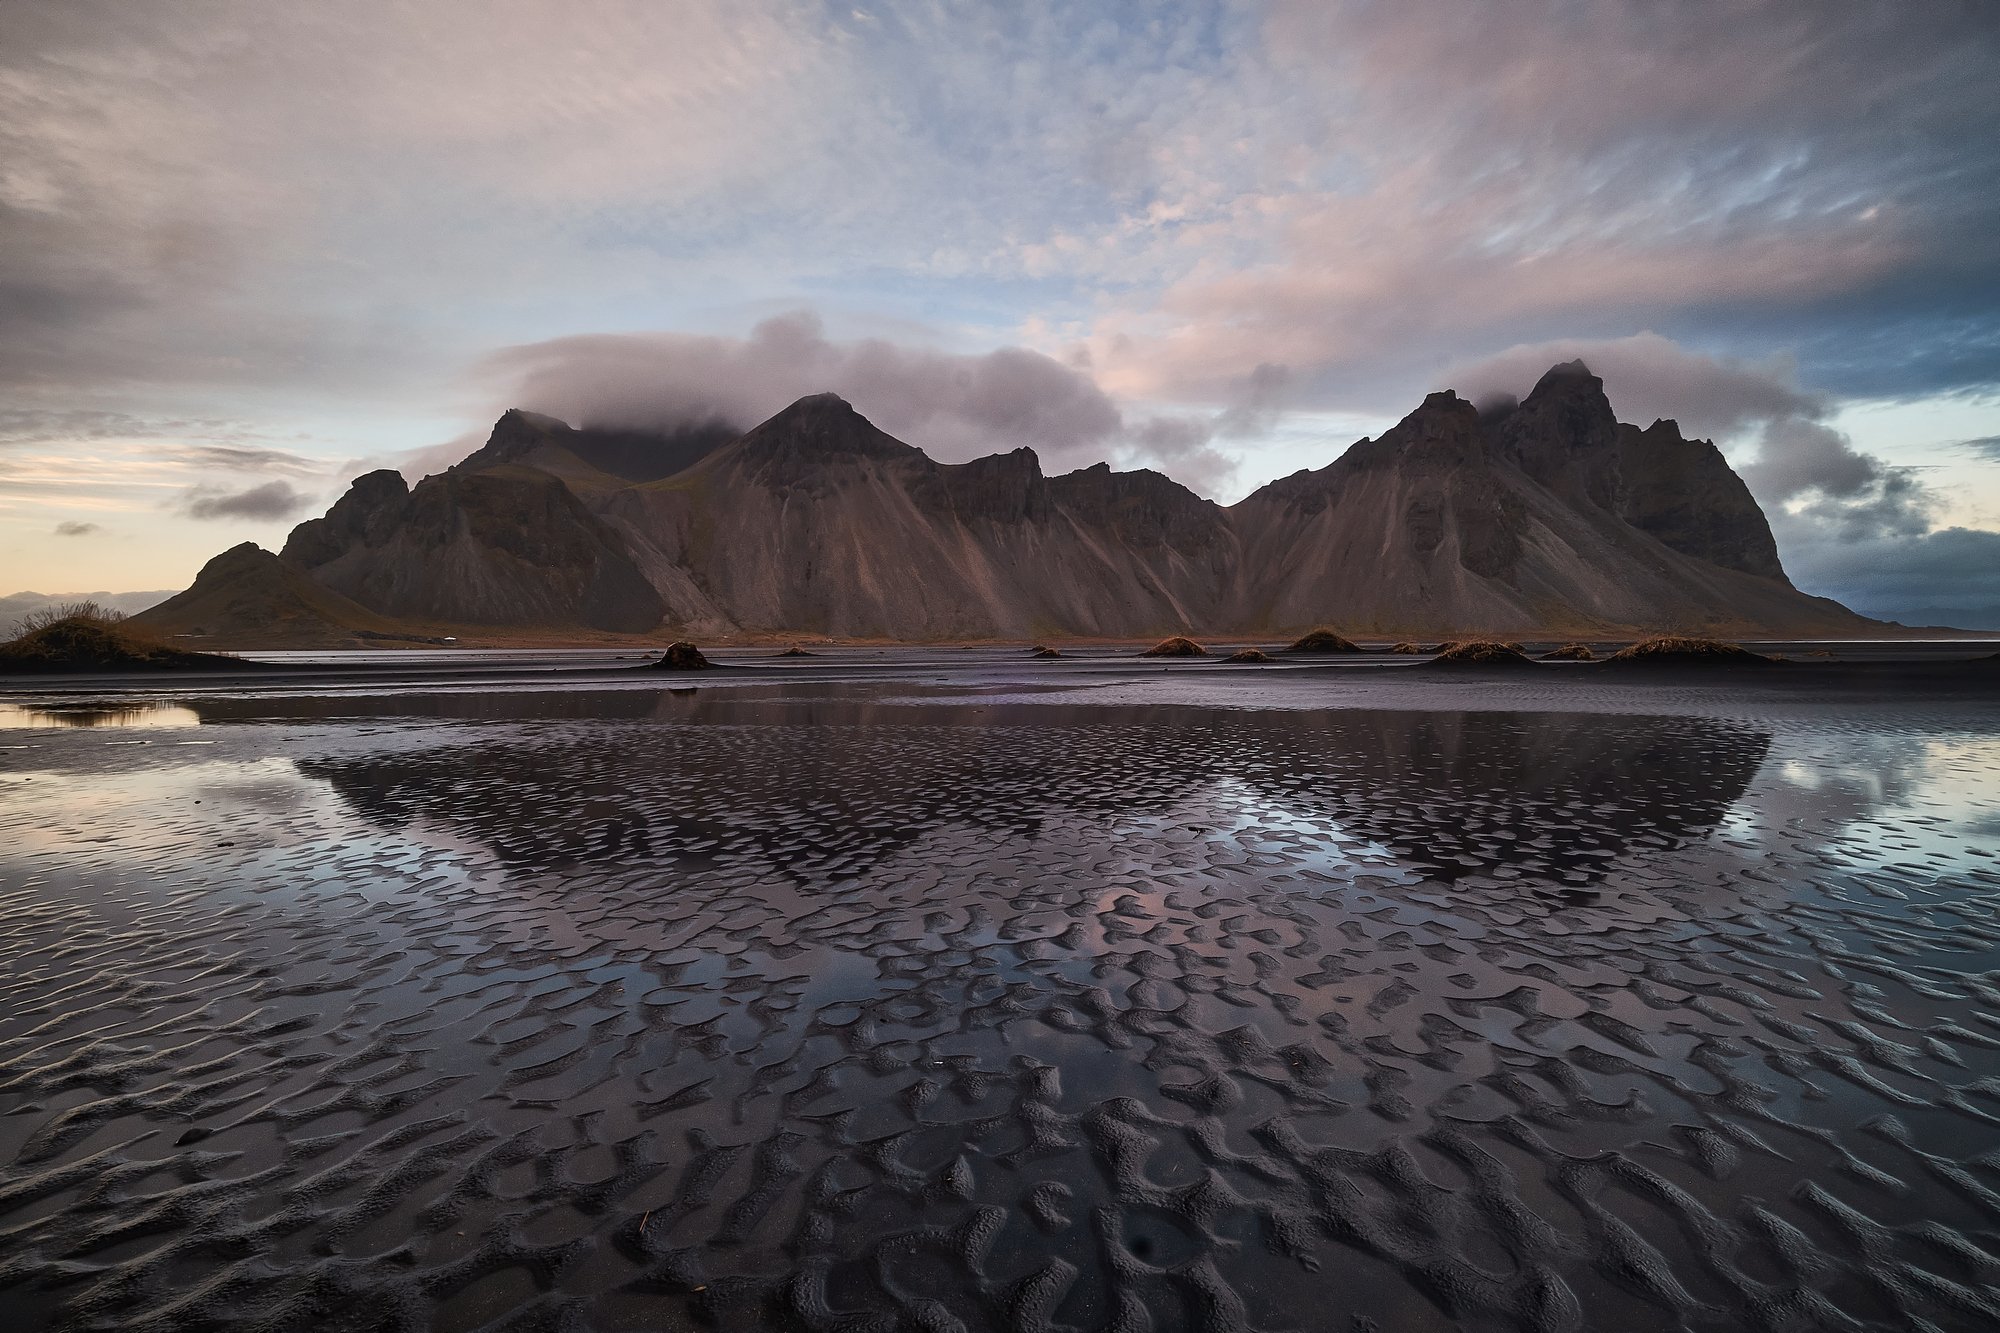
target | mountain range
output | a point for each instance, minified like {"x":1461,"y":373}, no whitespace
{"x":1546,"y":516}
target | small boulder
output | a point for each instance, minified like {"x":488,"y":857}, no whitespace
{"x":1178,"y":646}
{"x":1248,"y":655}
{"x":681,"y":656}
{"x":1324,"y":641}
{"x":1571,"y":652}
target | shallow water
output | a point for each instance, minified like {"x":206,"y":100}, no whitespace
{"x":892,"y":1006}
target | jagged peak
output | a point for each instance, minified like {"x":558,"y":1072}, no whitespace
{"x":1565,"y":378}
{"x":521,"y":416}
{"x":822,"y":424}
{"x":243,"y":555}
{"x":383,"y":481}
{"x":1442,"y":414}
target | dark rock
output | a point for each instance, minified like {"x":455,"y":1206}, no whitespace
{"x":681,"y":656}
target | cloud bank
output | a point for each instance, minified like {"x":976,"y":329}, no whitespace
{"x":955,"y":407}
{"x":272,"y":500}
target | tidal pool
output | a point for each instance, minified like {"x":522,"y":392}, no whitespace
{"x":838,"y":1007}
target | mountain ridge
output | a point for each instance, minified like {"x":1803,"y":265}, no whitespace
{"x":1546,"y":515}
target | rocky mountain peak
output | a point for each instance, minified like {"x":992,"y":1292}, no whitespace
{"x":517,"y":433}
{"x":818,"y":427}
{"x":369,"y":510}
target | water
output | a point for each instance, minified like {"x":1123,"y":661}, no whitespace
{"x":902,"y":1005}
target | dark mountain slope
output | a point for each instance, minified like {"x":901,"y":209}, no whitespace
{"x":1550,"y":517}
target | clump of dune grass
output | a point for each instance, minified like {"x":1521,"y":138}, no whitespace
{"x":1323,"y":641}
{"x":83,"y":636}
{"x":1482,"y":652}
{"x":1178,"y":646}
{"x":1675,"y":650}
{"x":796,"y":651}
{"x":1570,"y":652}
{"x":1407,"y":649}
{"x":1248,"y":655}
{"x":1043,"y":650}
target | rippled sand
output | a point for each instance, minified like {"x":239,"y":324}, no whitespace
{"x":851,"y":1005}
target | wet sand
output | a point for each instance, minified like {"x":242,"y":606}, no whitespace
{"x":933,"y":991}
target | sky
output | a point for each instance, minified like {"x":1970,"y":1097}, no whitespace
{"x":250,"y":250}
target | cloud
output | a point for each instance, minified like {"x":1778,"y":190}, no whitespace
{"x":1769,"y":174}
{"x":270,"y":501}
{"x":1986,"y":447}
{"x":237,"y":458}
{"x":954,"y":406}
{"x":72,"y":528}
{"x":1181,"y":447}
{"x":31,"y":425}
{"x":1648,"y":377}
{"x":1948,"y":576}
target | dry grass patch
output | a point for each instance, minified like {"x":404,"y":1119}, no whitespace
{"x":83,"y":636}
{"x":1674,"y":650}
{"x":1483,"y":652}
{"x":1324,"y":641}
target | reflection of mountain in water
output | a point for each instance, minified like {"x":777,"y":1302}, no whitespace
{"x":829,"y":788}
{"x":1556,"y":794}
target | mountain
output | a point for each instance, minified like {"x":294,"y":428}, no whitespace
{"x":247,"y":596}
{"x":1549,"y":516}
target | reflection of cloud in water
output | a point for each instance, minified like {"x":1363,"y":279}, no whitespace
{"x":1887,"y":793}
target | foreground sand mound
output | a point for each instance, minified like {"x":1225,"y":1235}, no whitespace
{"x":1248,"y":655}
{"x":682,"y":656}
{"x":1406,"y":648}
{"x":1669,"y":650}
{"x":1324,"y":641}
{"x":1483,"y":652}
{"x":94,"y":641}
{"x":1178,"y":646}
{"x":1570,"y":652}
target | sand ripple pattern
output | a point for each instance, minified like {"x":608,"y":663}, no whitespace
{"x":841,"y":1014}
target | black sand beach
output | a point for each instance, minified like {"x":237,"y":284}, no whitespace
{"x":941,"y":990}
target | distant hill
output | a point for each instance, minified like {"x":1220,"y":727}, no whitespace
{"x":1550,"y":517}
{"x":15,"y":605}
